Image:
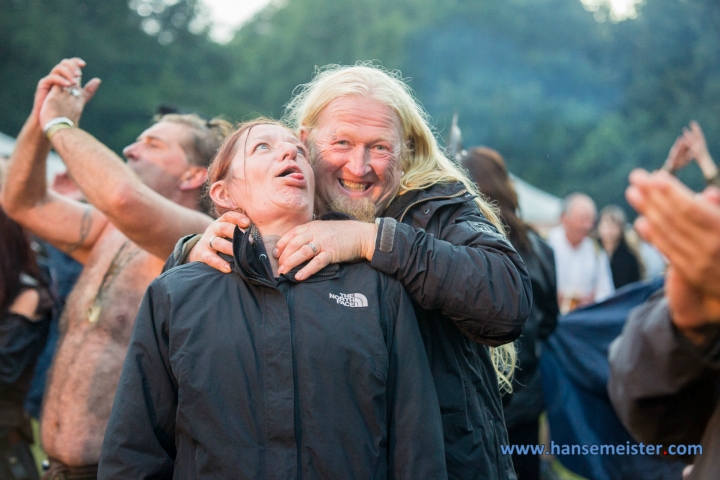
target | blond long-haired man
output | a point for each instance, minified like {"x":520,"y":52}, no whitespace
{"x":421,"y":221}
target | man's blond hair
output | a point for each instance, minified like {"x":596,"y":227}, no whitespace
{"x":422,"y":159}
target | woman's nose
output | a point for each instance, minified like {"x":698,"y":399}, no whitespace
{"x":289,"y":151}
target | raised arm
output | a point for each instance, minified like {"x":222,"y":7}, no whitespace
{"x":67,"y":224}
{"x":697,"y":147}
{"x":150,"y":220}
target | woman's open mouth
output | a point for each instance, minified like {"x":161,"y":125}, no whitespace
{"x":293,"y":175}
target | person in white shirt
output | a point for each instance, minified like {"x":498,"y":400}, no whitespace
{"x":583,"y":268}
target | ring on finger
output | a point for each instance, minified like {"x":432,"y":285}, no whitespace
{"x":74,"y":91}
{"x":211,"y":240}
{"x":313,"y":248}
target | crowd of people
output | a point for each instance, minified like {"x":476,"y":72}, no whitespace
{"x":326,"y":296}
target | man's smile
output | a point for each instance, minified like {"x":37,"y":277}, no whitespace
{"x":354,"y":186}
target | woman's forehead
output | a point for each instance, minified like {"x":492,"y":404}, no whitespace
{"x":270,"y":132}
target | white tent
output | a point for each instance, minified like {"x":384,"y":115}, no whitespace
{"x":54,"y":164}
{"x":537,"y":207}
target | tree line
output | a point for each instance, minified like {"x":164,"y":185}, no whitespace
{"x":572,"y":103}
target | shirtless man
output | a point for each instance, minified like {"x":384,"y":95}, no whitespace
{"x":123,"y":238}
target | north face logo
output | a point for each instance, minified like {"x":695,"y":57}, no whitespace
{"x":350,"y":299}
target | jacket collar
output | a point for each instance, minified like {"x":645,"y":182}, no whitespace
{"x":448,"y":192}
{"x":250,"y":261}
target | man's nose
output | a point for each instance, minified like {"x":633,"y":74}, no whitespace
{"x":358,"y":161}
{"x":129,"y":152}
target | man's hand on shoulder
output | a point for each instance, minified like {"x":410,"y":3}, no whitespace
{"x":217,"y":238}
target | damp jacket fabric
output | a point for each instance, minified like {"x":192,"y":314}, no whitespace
{"x":246,"y":376}
{"x":470,"y":290}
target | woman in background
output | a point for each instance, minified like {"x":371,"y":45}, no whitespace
{"x":487,"y":168}
{"x":624,"y":261}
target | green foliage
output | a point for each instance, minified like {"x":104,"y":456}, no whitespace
{"x":571,"y":103}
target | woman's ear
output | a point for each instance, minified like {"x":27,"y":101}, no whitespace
{"x":221,"y":197}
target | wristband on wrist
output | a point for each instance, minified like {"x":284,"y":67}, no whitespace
{"x":52,"y":130}
{"x":56,"y":124}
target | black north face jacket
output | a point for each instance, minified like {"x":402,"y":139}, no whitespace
{"x":470,"y":290}
{"x":243,"y":376}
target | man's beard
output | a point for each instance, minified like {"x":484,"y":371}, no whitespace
{"x":362,"y":209}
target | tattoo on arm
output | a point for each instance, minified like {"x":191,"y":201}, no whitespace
{"x":85,"y":225}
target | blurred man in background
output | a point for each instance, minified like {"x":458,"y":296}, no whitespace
{"x":583,"y":269}
{"x":122,"y":237}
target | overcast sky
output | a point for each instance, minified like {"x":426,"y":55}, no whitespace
{"x":227,"y":15}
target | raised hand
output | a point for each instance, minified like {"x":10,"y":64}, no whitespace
{"x":684,"y":226}
{"x":679,"y":155}
{"x":60,"y":94}
{"x":695,"y":140}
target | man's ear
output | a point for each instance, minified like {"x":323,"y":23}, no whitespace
{"x":193,"y":178}
{"x":220,"y":196}
{"x":304,"y":135}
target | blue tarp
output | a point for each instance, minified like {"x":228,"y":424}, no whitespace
{"x":575,"y":373}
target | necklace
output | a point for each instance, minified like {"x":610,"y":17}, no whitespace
{"x":119,"y":261}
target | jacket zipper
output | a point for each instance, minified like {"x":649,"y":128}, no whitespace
{"x":446,"y":197}
{"x":253,"y":276}
{"x":286,"y":290}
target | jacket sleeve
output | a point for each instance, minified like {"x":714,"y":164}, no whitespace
{"x":181,"y":251}
{"x":415,"y":434}
{"x":662,"y":386}
{"x":140,"y":438}
{"x":470,"y":273}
